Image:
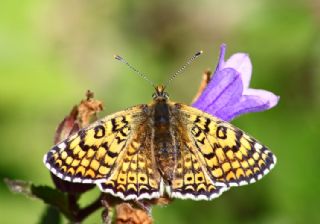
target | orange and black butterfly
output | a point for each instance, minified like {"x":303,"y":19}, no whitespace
{"x":161,"y":148}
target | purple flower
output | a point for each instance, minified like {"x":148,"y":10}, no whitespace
{"x":228,"y":94}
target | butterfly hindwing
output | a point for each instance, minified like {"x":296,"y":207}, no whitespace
{"x":91,"y":154}
{"x":191,"y":181}
{"x":136,"y":176}
{"x":231,"y":157}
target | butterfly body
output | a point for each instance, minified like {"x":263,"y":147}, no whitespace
{"x":161,"y":148}
{"x":165,"y":149}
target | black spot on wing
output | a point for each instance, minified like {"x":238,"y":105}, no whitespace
{"x":196,"y":131}
{"x":83,"y":146}
{"x":235,"y":148}
{"x":221,"y":132}
{"x":112,"y":154}
{"x":209,"y":156}
{"x":206,"y":126}
{"x":123,"y":133}
{"x":201,"y":140}
{"x":99,"y":131}
{"x":114,"y":125}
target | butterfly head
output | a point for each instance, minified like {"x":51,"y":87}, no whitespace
{"x":160,"y":94}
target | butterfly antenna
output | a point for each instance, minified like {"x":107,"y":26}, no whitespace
{"x":197,"y":54}
{"x":119,"y":58}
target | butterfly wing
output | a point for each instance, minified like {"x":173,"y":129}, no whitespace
{"x":190,"y":179}
{"x":136,"y":176}
{"x":92,"y":154}
{"x":230,"y":156}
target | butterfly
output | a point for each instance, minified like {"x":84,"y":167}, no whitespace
{"x":161,"y":148}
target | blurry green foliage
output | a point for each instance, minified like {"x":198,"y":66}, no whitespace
{"x":51,"y":52}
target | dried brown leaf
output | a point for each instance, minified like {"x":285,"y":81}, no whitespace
{"x":126,"y":214}
{"x":79,"y":117}
{"x":88,"y":109}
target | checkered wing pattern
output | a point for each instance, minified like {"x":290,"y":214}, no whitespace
{"x":91,"y":155}
{"x":136,"y":176}
{"x":230,"y":156}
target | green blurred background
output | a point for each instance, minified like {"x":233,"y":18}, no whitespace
{"x":51,"y":52}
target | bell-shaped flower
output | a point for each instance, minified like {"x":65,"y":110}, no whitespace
{"x":228,"y":95}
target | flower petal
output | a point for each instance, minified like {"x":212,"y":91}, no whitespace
{"x":224,"y":88}
{"x":263,"y":95}
{"x":221,"y":62}
{"x":257,"y":100}
{"x":242,"y":64}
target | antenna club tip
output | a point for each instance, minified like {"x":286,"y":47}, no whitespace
{"x":199,"y":53}
{"x":117,"y":57}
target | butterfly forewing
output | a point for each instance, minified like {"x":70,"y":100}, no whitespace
{"x":93,"y":153}
{"x":230,"y":156}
